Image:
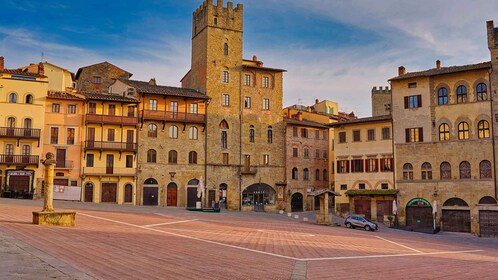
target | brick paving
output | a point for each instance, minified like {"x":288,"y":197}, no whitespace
{"x":129,"y":242}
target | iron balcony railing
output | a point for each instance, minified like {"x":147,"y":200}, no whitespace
{"x":109,"y":119}
{"x":20,"y":159}
{"x":15,"y":132}
{"x":111,"y":146}
{"x":172,"y":116}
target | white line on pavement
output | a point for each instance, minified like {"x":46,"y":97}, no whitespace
{"x":401,"y":245}
{"x":387,"y":256}
{"x":171,"y":223}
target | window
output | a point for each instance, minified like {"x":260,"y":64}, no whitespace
{"x":461,"y":94}
{"x":372,"y":165}
{"x":172,"y":156}
{"x":224,"y":136}
{"x":225,"y":158}
{"x":129,"y":161}
{"x":317,"y":134}
{"x":371,"y":134}
{"x":386,"y":133}
{"x":112,"y":110}
{"x":317,"y":175}
{"x":445,"y":170}
{"x":26,"y":150}
{"x":192,"y":133}
{"x":70,"y":136}
{"x":344,"y":187}
{"x":215,"y":20}
{"x":386,"y":164}
{"x":361,"y":186}
{"x":266,"y":159}
{"x":324,"y":154}
{"x":247,"y":102}
{"x":71,"y":109}
{"x":356,"y":136}
{"x":152,"y":130}
{"x":225,"y":77}
{"x":12,"y":98}
{"x":11,"y":122}
{"x":483,"y":129}
{"x":270,"y":135}
{"x":306,"y":174}
{"x":226,"y":100}
{"x":225,"y":49}
{"x":247,"y":79}
{"x":482,"y":92}
{"x":92,"y":108}
{"x":29,"y":99}
{"x":266,"y":82}
{"x":325,"y":135}
{"x":325,"y":175}
{"x":407,"y":171}
{"x":294,"y":152}
{"x":173,"y":107}
{"x":304,"y":132}
{"x":412,"y":85}
{"x":357,"y":165}
{"x":54,"y":135}
{"x":294,"y":173}
{"x":56,"y":108}
{"x":442,"y":96}
{"x":110,"y":134}
{"x":465,"y":170}
{"x":414,"y":135}
{"x":89,"y":160}
{"x":343,"y":166}
{"x":426,"y":171}
{"x":485,"y":169}
{"x":413,"y":101}
{"x":194,"y":108}
{"x":9,"y":149}
{"x":317,"y":153}
{"x":294,"y":132}
{"x":151,"y":156}
{"x":342,"y":137}
{"x":444,"y":132}
{"x":27,"y":123}
{"x":192,"y":157}
{"x":306,"y":153}
{"x":97,"y":80}
{"x":384,"y":186}
{"x":463,"y":131}
{"x":153,"y":104}
{"x":173,"y":132}
{"x":266,"y":104}
{"x":251,"y":134}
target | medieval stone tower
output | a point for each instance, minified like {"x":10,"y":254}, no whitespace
{"x":381,"y":101}
{"x":493,"y":50}
{"x":244,"y":131}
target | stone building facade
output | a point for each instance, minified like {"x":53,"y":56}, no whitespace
{"x":381,"y":101}
{"x":98,"y":77}
{"x":245,"y":129}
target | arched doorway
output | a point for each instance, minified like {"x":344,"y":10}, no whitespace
{"x":89,"y":192}
{"x":223,"y":195}
{"x":297,"y":202}
{"x":456,"y":215}
{"x":128,"y":193}
{"x":258,"y":195}
{"x":171,"y":194}
{"x":150,"y":192}
{"x":419,"y":213}
{"x":488,"y":219}
{"x":192,"y":193}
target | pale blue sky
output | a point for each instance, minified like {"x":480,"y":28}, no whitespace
{"x":332,"y":49}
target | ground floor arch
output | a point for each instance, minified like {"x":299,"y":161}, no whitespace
{"x":171,"y":194}
{"x":297,"y":202}
{"x":88,"y":192}
{"x":419,"y":213}
{"x":258,"y":195}
{"x":456,"y":215}
{"x":128,"y":193}
{"x":150,"y":192}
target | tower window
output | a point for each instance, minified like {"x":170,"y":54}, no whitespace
{"x":226,"y":76}
{"x":215,"y":21}
{"x":225,"y":49}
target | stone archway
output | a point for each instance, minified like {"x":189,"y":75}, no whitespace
{"x":258,"y":195}
{"x":89,"y":192}
{"x":150,"y":192}
{"x":419,"y":213}
{"x":171,"y":194}
{"x":297,"y":202}
{"x":456,"y":215}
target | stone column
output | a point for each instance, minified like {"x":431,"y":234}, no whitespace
{"x":48,"y":200}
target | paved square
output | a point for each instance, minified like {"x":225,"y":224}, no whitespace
{"x":159,"y":243}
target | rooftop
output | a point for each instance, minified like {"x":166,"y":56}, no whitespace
{"x":109,"y":97}
{"x":304,"y":123}
{"x":146,"y":87}
{"x":362,"y":120}
{"x":63,"y":95}
{"x":442,"y":71}
{"x":21,"y":73}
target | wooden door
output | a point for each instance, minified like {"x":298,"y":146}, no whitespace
{"x":60,"y":157}
{"x":488,"y":223}
{"x":128,"y":193}
{"x":259,"y":205}
{"x":191,"y":197}
{"x":211,"y":198}
{"x":362,"y":207}
{"x":109,"y":164}
{"x":171,"y":195}
{"x":150,"y":195}
{"x":109,"y":191}
{"x":89,"y":192}
{"x":90,"y":137}
{"x":456,"y":220}
{"x":384,"y":207}
{"x":129,"y":139}
{"x":19,"y":183}
{"x":419,"y":216}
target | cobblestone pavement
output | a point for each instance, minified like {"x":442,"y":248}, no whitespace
{"x":132,"y":242}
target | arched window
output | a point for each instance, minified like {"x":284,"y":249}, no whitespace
{"x":270,"y":135}
{"x":444,"y":132}
{"x":151,"y":181}
{"x":463,"y":131}
{"x":251,"y":134}
{"x":306,"y":153}
{"x":317,"y":174}
{"x":325,"y":175}
{"x":426,"y":171}
{"x":28,"y":123}
{"x":445,"y":171}
{"x":485,"y":169}
{"x":29,"y":99}
{"x":12,"y":98}
{"x":226,"y":76}
{"x":225,"y":49}
{"x":224,"y":134}
{"x":442,"y":94}
{"x":192,"y":157}
{"x":173,"y":132}
{"x":461,"y":94}
{"x":172,"y":156}
{"x":192,"y":133}
{"x":407,"y":171}
{"x":482,"y":91}
{"x":152,"y":130}
{"x":151,"y":155}
{"x":294,"y":173}
{"x":306,"y":174}
{"x":483,"y":129}
{"x":11,"y":122}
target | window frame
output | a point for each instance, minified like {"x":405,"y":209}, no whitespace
{"x":461,"y":93}
{"x":442,"y":96}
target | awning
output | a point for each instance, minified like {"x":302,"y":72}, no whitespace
{"x":371,"y":192}
{"x":322,"y":191}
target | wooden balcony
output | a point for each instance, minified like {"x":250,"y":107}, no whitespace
{"x":108,"y":119}
{"x":64,"y":164}
{"x":110,"y":146}
{"x":109,"y":171}
{"x":170,"y":116}
{"x":13,"y":132}
{"x":20,"y":159}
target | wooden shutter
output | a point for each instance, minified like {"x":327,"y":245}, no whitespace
{"x":407,"y":135}
{"x":420,"y":134}
{"x":406,"y":102}
{"x":347,"y":166}
{"x":419,"y":100}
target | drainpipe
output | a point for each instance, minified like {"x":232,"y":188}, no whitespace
{"x":492,"y":128}
{"x":205,"y":146}
{"x":240,"y":138}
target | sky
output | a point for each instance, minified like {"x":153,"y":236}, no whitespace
{"x":332,"y":49}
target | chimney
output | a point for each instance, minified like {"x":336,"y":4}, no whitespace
{"x":300,"y":116}
{"x":2,"y":63}
{"x":152,"y":82}
{"x":254,"y":58}
{"x":401,"y":70}
{"x":289,"y":114}
{"x":438,"y":64}
{"x":41,"y":69}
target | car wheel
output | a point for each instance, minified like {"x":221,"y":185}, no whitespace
{"x":368,"y":228}
{"x":349,"y":225}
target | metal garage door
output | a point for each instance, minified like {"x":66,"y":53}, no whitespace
{"x":456,"y":220}
{"x":488,"y":223}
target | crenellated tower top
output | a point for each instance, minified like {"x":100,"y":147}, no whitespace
{"x":209,"y":14}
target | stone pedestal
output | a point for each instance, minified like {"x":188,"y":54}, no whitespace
{"x":62,"y":218}
{"x":323,"y":217}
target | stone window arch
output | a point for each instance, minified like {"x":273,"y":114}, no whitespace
{"x":152,"y":156}
{"x":481,"y":92}
{"x":445,"y":171}
{"x":173,"y":132}
{"x":465,"y":172}
{"x":444,"y":132}
{"x":442,"y":96}
{"x":461,"y":94}
{"x":306,"y":174}
{"x":483,"y":129}
{"x":407,"y":171}
{"x":193,"y":133}
{"x":28,"y":99}
{"x":295,"y":173}
{"x":463,"y":131}
{"x":426,"y":171}
{"x":485,"y":170}
{"x":173,"y":157}
{"x":192,"y":157}
{"x":152,"y":130}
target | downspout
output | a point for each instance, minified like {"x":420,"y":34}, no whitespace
{"x":205,"y":144}
{"x":392,"y":138}
{"x":492,"y":128}
{"x":240,"y":140}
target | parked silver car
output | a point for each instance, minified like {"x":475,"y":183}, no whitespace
{"x":360,"y":222}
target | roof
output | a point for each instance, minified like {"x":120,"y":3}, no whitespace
{"x":145,"y":87}
{"x":304,"y":123}
{"x":21,"y":73}
{"x":362,"y":120}
{"x":109,"y":97}
{"x":443,"y":70}
{"x":79,"y":70}
{"x":264,"y":68}
{"x":371,"y":192}
{"x":322,"y":191}
{"x":63,"y":95}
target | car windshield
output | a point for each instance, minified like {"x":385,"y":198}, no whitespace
{"x":367,"y":219}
